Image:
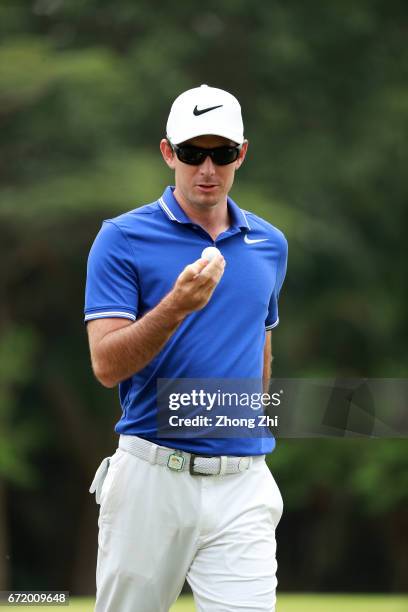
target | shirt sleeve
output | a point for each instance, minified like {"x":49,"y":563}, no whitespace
{"x":272,"y":319}
{"x":112,"y":286}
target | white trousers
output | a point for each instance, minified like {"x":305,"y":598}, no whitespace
{"x":158,"y":527}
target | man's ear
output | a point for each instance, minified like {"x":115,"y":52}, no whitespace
{"x":241,"y":156}
{"x":167,"y":153}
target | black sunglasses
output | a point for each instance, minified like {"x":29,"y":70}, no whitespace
{"x":221,"y":156}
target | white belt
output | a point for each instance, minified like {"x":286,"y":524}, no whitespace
{"x":181,"y":461}
{"x":178,"y":461}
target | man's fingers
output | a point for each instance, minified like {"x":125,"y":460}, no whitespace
{"x":213,"y":269}
{"x":202,"y":272}
{"x":192,"y":270}
{"x":196,"y":283}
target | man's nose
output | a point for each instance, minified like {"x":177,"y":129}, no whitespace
{"x":208,"y":166}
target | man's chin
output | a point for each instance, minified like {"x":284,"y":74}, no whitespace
{"x":210,"y":197}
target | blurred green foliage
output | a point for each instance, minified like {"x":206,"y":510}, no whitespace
{"x":85,"y":89}
{"x":18,"y":437}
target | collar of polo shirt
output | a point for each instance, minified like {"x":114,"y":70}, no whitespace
{"x":174,"y":212}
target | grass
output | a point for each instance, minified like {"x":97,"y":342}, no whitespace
{"x":340,"y":603}
{"x":286,"y":603}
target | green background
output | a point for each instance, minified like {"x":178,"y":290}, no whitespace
{"x":85,"y":89}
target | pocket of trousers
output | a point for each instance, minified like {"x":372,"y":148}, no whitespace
{"x":109,"y":492}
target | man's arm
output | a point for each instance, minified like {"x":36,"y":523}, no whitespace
{"x":267,"y":365}
{"x":120,"y":348}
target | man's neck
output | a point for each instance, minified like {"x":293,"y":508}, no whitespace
{"x":213,"y":219}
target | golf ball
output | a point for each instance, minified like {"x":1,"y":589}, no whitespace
{"x":210,"y":252}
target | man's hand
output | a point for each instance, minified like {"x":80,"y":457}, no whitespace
{"x":196,"y":284}
{"x":120,"y":348}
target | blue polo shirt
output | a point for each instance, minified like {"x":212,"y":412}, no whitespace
{"x":135,"y":261}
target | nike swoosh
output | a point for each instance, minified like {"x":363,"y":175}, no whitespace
{"x":197,"y":112}
{"x":249,"y":241}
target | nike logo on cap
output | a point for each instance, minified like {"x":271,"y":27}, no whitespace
{"x":197,"y":112}
{"x":249,"y":241}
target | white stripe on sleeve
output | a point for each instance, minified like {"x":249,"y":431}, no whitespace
{"x":110,"y":313}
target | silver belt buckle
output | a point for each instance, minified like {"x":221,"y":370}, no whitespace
{"x":192,"y":469}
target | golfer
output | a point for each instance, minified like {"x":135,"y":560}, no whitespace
{"x":203,"y":508}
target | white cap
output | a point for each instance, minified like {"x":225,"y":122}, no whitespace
{"x":205,"y":110}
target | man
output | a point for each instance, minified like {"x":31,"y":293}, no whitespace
{"x":205,"y":509}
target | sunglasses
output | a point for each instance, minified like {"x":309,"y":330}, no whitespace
{"x":194,"y":156}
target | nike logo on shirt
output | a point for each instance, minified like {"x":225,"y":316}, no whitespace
{"x":249,"y":241}
{"x":197,"y":112}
